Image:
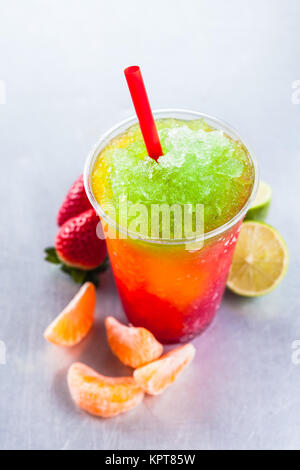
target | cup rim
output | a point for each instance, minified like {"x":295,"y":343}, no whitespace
{"x":167,"y":113}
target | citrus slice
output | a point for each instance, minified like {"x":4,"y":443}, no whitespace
{"x":76,"y":320}
{"x":133,"y":346}
{"x":259,"y":262}
{"x":100,"y":395}
{"x":155,"y":377}
{"x":260,"y":206}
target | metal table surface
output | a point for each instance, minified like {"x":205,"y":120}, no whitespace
{"x":61,"y":66}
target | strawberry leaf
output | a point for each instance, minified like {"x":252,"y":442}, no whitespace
{"x":78,"y":275}
{"x":51,"y":256}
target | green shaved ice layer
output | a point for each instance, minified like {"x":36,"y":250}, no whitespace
{"x":200,"y":165}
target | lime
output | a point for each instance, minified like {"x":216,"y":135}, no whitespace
{"x":260,"y":260}
{"x":260,"y":205}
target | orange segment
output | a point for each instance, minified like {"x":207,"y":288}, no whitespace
{"x":133,"y":346}
{"x":100,"y":395}
{"x":76,"y":320}
{"x":154,"y":378}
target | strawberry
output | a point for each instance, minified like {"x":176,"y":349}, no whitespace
{"x":78,"y":249}
{"x":76,"y":201}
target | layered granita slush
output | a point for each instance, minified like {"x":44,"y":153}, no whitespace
{"x":173,"y":284}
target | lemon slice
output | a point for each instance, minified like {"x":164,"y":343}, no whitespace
{"x":261,"y":203}
{"x":260,"y":260}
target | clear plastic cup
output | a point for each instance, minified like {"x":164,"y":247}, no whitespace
{"x":172,"y":287}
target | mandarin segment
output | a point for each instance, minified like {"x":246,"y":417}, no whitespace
{"x":100,"y":395}
{"x":133,"y":346}
{"x":76,"y":320}
{"x":155,"y":377}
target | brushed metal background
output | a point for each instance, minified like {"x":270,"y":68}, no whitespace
{"x":62,"y":63}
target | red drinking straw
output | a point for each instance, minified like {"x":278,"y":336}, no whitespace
{"x":143,"y":110}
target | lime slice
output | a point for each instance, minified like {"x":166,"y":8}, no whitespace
{"x":259,"y":262}
{"x":261,"y":203}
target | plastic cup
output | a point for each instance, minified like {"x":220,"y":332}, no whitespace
{"x":164,"y":286}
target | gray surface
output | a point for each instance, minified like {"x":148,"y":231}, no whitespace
{"x":62,"y":63}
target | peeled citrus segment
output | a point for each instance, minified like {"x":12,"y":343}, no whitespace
{"x":133,"y":346}
{"x":260,"y":260}
{"x":155,"y":377}
{"x":76,"y":320}
{"x":100,"y":395}
{"x":260,"y":206}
